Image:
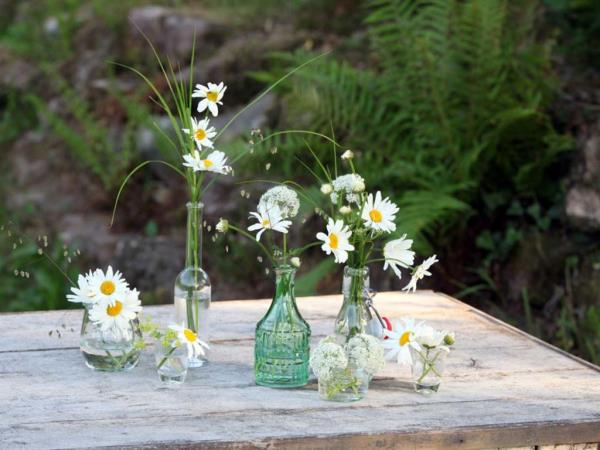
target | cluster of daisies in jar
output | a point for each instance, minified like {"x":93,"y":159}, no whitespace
{"x":357,"y":220}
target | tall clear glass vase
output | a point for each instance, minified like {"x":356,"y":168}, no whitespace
{"x":192,"y":285}
{"x":354,"y":316}
{"x":281,"y":348}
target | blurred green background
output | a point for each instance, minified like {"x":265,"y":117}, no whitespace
{"x":479,"y":118}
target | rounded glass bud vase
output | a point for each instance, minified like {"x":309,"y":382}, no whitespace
{"x":354,"y":316}
{"x":281,"y":349}
{"x":192,"y":286}
{"x":112,"y":350}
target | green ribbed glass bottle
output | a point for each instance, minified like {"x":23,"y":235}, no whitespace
{"x":281,"y":347}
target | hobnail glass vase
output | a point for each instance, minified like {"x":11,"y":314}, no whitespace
{"x":111,"y":350}
{"x":345,"y":385}
{"x":354,"y":316}
{"x":281,"y":349}
{"x":427,"y":368}
{"x":192,"y":285}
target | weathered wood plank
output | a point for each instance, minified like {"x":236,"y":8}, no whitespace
{"x":503,"y":389}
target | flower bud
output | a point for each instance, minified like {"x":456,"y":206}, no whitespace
{"x":449,"y":339}
{"x":348,"y":154}
{"x":345,"y":210}
{"x":327,"y":189}
{"x":222,"y":226}
{"x":295,"y":261}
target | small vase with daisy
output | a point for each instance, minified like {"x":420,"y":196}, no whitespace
{"x":110,"y":334}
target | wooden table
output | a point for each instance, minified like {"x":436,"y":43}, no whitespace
{"x":503,"y":389}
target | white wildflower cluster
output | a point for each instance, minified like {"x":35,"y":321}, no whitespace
{"x":366,"y":352}
{"x":328,"y":359}
{"x":284,"y":198}
{"x":350,"y":184}
{"x":362,"y":351}
{"x":109,"y":299}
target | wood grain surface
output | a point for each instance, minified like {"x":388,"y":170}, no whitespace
{"x":502,"y":389}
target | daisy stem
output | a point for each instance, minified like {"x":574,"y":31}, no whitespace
{"x":164,"y":360}
{"x":252,"y":238}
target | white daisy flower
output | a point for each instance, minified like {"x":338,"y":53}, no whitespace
{"x":117,"y":314}
{"x":419,"y":273}
{"x":82,"y":293}
{"x":397,"y":253}
{"x":202,"y":133}
{"x":284,"y":198}
{"x":399,"y":339}
{"x":379,"y":214}
{"x":429,"y":337}
{"x":269,"y":218}
{"x":336,"y":240}
{"x":214,"y":162}
{"x":211,"y":97}
{"x":107,"y":287}
{"x":190,"y":339}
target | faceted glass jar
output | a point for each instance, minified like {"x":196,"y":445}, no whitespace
{"x":354,"y":316}
{"x":110,"y":350}
{"x":347,"y":385}
{"x":427,"y":368}
{"x":192,"y":292}
{"x":281,"y":348}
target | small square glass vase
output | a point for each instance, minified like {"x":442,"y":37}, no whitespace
{"x":171,"y":364}
{"x":427,"y":368}
{"x":346,"y":385}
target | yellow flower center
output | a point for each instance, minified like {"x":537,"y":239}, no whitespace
{"x":208,"y":163}
{"x":266,"y":223}
{"x":107,"y":287}
{"x":115,"y":309}
{"x":333,"y":241}
{"x":212,"y":96}
{"x":200,"y":134}
{"x":404,"y":338}
{"x":375,"y":215}
{"x":189,"y":335}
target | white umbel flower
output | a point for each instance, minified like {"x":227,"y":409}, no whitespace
{"x":349,"y":185}
{"x":397,"y":253}
{"x":214,"y":162}
{"x":419,"y":273}
{"x":284,"y":198}
{"x":269,"y":218}
{"x":222,"y":226}
{"x":399,"y":340}
{"x":195,"y":347}
{"x":202,"y":133}
{"x":82,"y":293}
{"x":327,"y":359}
{"x":379,"y":214}
{"x":326,"y":188}
{"x":106,"y":287}
{"x":211,"y":97}
{"x":365,"y":352}
{"x":336,"y":240}
{"x":117,"y":314}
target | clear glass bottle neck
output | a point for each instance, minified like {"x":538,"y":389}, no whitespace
{"x":285,"y":282}
{"x":355,"y":281}
{"x":193,"y":255}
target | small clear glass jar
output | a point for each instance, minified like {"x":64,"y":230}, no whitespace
{"x":110,"y":350}
{"x":345,"y":385}
{"x":171,"y":364}
{"x":427,"y":368}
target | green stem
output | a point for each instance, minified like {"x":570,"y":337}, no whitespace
{"x":164,"y":360}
